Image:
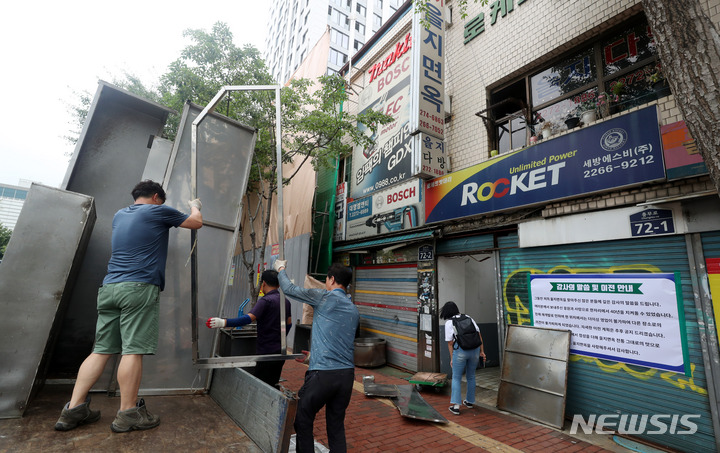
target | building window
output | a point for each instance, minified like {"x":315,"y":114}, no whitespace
{"x":378,"y":5}
{"x":361,"y":9}
{"x":341,"y":39}
{"x":607,"y":76}
{"x":357,"y":45}
{"x":339,"y":18}
{"x":337,"y":58}
{"x":360,"y":28}
{"x":377,"y":21}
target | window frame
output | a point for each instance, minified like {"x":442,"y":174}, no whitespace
{"x":600,"y":83}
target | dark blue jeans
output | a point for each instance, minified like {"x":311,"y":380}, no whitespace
{"x":329,"y":388}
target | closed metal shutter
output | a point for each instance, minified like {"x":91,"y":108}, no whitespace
{"x":604,"y":387}
{"x":386,"y":297}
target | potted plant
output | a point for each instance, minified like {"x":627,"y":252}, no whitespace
{"x":588,"y":113}
{"x":571,"y":118}
{"x":547,"y":129}
{"x":602,"y":105}
{"x":656,"y":80}
{"x":617,"y":90}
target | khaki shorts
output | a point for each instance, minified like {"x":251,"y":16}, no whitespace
{"x":128,"y":315}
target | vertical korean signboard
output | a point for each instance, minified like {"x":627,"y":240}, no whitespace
{"x":340,"y":200}
{"x":428,"y":79}
{"x":427,"y":118}
{"x":389,"y":161}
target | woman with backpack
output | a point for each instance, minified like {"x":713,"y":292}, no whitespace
{"x":466,"y":349}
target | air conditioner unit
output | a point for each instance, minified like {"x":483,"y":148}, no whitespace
{"x":448,"y":106}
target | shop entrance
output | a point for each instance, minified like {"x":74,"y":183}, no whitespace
{"x":470,"y":282}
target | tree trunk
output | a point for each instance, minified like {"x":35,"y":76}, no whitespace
{"x":689,"y":49}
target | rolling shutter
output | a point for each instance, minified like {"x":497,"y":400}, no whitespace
{"x":386,"y":297}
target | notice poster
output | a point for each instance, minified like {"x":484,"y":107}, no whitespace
{"x":631,"y":318}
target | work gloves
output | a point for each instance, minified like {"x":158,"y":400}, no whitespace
{"x":196,"y":203}
{"x":279,"y":264}
{"x":216,"y":323}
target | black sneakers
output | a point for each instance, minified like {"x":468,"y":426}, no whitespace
{"x":466,"y":404}
{"x":136,"y":418}
{"x":455,"y":409}
{"x":78,"y":415}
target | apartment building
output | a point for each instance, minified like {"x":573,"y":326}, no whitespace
{"x":296,"y":25}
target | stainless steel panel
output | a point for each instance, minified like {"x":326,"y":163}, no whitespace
{"x":36,"y":277}
{"x":542,"y":407}
{"x":370,"y":388}
{"x":412,"y":405}
{"x":536,"y":372}
{"x":548,"y":343}
{"x":157,"y":162}
{"x":263,"y":413}
{"x":108,"y":161}
{"x":533,"y":381}
{"x":224,"y":156}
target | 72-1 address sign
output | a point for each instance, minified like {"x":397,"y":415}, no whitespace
{"x":651,"y":222}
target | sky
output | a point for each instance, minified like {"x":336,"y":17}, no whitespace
{"x":52,"y":49}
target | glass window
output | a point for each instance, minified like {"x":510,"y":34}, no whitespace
{"x":377,"y":21}
{"x":627,"y":48}
{"x":511,"y":132}
{"x":563,"y":77}
{"x":337,"y":58}
{"x":341,"y":39}
{"x":360,"y":27}
{"x":357,"y":45}
{"x":630,"y":75}
{"x":361,"y":9}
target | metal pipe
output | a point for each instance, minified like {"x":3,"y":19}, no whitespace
{"x":280,"y":216}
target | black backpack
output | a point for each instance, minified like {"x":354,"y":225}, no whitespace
{"x":465,"y":334}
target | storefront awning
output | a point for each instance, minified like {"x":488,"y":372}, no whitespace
{"x":384,"y":241}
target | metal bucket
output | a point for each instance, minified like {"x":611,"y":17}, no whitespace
{"x":369,"y":352}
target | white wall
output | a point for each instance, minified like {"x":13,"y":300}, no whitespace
{"x":469,"y":281}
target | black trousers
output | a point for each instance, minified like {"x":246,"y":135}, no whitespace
{"x":329,"y":388}
{"x":269,"y":372}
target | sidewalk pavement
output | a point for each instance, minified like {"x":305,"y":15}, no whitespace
{"x":374,"y":424}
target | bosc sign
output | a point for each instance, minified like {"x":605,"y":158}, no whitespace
{"x":620,"y":152}
{"x":389,"y":161}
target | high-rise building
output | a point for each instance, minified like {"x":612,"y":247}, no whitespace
{"x":296,"y":25}
{"x":12,"y":199}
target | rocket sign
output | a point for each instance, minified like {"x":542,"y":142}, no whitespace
{"x":620,"y":152}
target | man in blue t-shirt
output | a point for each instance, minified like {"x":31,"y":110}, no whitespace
{"x":267,"y":314}
{"x":331,"y":372}
{"x":127,"y":304}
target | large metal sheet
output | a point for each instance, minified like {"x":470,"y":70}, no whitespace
{"x":533,"y":381}
{"x":36,"y":277}
{"x":412,"y":405}
{"x":225,"y":150}
{"x":264,"y":413}
{"x":109,"y":159}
